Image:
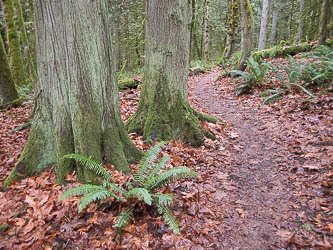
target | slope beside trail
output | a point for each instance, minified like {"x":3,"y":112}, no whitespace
{"x":261,"y":209}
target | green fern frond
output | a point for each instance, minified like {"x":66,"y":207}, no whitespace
{"x":89,"y":163}
{"x":145,"y":163}
{"x":83,"y":189}
{"x":123,"y":219}
{"x":114,"y":188}
{"x":172,"y":174}
{"x":163,"y":200}
{"x":94,"y":196}
{"x":159,"y":166}
{"x":169,"y":218}
{"x":141,"y":194}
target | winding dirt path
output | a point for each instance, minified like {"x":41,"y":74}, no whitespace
{"x":258,"y":212}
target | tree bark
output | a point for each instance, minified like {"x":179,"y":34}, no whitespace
{"x":263,"y":25}
{"x":8,"y":91}
{"x":301,"y":20}
{"x":77,"y":94}
{"x":205,"y":35}
{"x":232,"y":22}
{"x":164,"y":111}
{"x":275,"y":20}
{"x":323,"y":23}
{"x":247,"y":24}
{"x":15,"y":56}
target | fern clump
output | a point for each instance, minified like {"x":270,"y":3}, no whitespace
{"x":253,"y":78}
{"x":149,"y":178}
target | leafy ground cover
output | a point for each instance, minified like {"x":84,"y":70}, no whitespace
{"x":266,"y":182}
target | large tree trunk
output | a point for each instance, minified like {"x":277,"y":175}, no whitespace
{"x":263,"y":25}
{"x":301,"y":20}
{"x":8,"y":91}
{"x":247,"y":24}
{"x":164,"y":111}
{"x":275,"y":20}
{"x":323,"y":23}
{"x":232,"y":22}
{"x":15,"y":56}
{"x":77,"y":94}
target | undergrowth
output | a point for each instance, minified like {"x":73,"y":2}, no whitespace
{"x":149,"y":179}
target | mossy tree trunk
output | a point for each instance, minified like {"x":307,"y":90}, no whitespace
{"x":164,"y":111}
{"x":301,"y":20}
{"x":263,"y":25}
{"x":247,"y":24}
{"x":25,"y":42}
{"x":232,"y":22}
{"x":275,"y":19}
{"x":15,"y":56}
{"x":8,"y":92}
{"x":77,"y":94}
{"x":205,"y":33}
{"x":323,"y":22}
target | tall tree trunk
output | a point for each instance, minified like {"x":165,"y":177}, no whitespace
{"x":301,"y":20}
{"x":275,"y":19}
{"x":116,"y":38}
{"x":232,"y":22}
{"x":263,"y":25}
{"x":15,"y":56}
{"x":25,"y":42}
{"x":205,"y":35}
{"x":77,"y":94}
{"x":323,"y":23}
{"x":8,"y":91}
{"x":164,"y":111}
{"x":247,"y":24}
{"x":290,"y":24}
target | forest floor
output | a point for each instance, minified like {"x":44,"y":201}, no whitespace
{"x":265,"y":182}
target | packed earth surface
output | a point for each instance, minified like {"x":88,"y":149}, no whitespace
{"x":265,"y":182}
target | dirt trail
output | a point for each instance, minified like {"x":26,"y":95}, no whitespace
{"x":259,"y":211}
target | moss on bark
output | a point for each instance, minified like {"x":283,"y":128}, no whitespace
{"x":8,"y":92}
{"x":16,"y":61}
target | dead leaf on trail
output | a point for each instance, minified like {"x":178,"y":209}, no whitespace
{"x":311,"y":167}
{"x":285,"y":235}
{"x":234,"y":135}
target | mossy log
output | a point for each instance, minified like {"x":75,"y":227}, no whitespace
{"x":291,"y":50}
{"x":128,"y":83}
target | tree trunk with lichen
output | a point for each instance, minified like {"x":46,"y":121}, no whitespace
{"x":164,"y":111}
{"x":275,"y":20}
{"x":247,"y":24}
{"x":323,"y":22}
{"x":8,"y":93}
{"x":205,"y":33}
{"x":301,"y":20}
{"x":77,"y":95}
{"x":15,"y":57}
{"x":25,"y":42}
{"x":263,"y":25}
{"x":232,"y":22}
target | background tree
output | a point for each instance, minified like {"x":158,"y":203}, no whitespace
{"x":16,"y":60}
{"x":275,"y":19}
{"x":323,"y":22}
{"x":263,"y":25}
{"x":232,"y":23}
{"x":77,"y":96}
{"x":164,"y":111}
{"x":205,"y":37}
{"x":8,"y":91}
{"x":301,"y":20}
{"x":247,"y":23}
